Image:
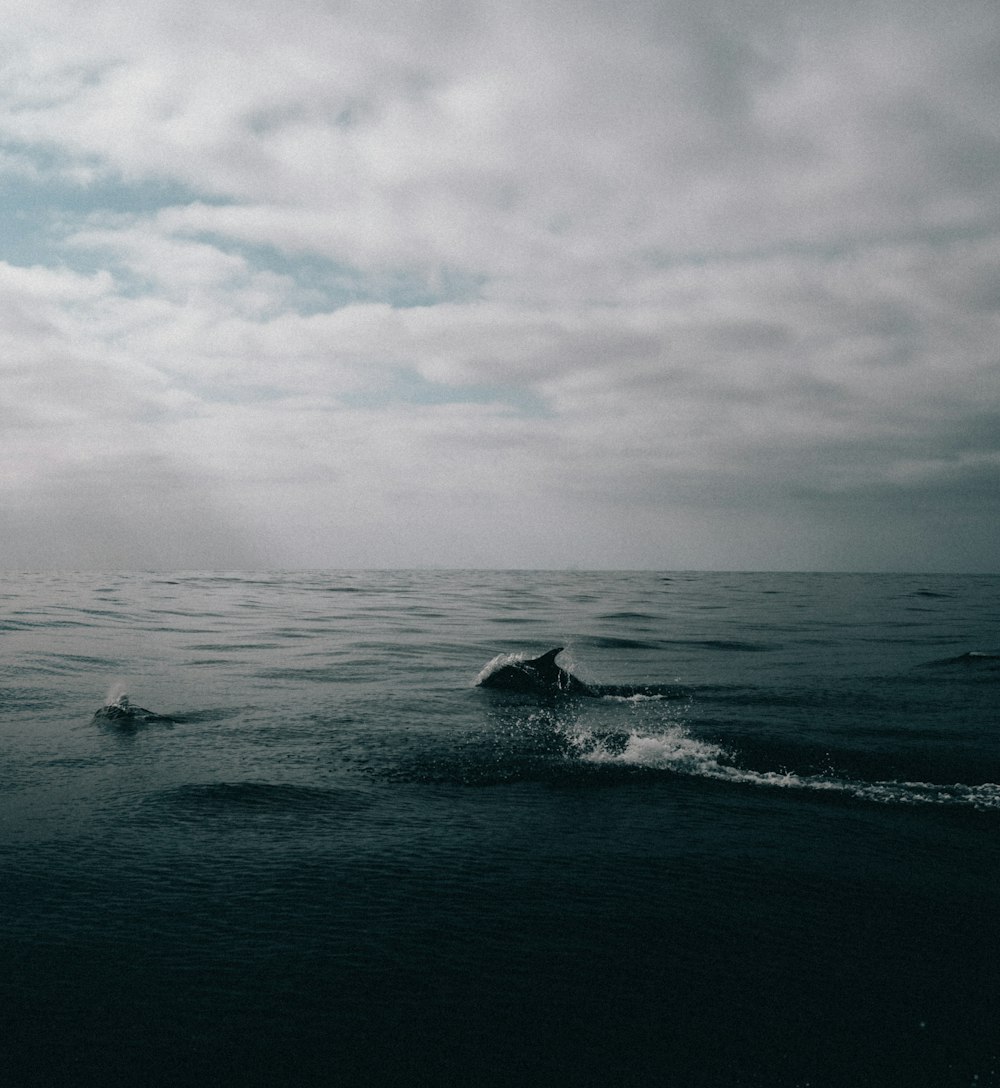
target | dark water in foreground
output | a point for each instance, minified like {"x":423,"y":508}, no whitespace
{"x":336,"y":862}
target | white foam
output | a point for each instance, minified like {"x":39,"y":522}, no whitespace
{"x":117,"y":695}
{"x":674,"y":749}
{"x":496,"y":663}
{"x":636,"y":698}
{"x":677,"y":751}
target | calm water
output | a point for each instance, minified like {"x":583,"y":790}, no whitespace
{"x":766,"y":855}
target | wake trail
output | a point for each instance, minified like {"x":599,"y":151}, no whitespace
{"x":678,"y":752}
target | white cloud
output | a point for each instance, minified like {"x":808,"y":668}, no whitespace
{"x":633,"y":284}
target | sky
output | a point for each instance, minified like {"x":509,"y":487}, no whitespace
{"x":645,"y":284}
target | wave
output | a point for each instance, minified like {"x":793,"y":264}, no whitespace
{"x":678,"y":752}
{"x":608,"y":642}
{"x":987,"y":660}
{"x":725,"y":645}
{"x":634,"y":693}
{"x":203,"y":797}
{"x":204,"y":804}
{"x":715,"y":645}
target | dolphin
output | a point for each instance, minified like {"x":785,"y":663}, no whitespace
{"x":123,"y":713}
{"x":539,"y":675}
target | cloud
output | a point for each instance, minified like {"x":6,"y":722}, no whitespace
{"x":644,"y":284}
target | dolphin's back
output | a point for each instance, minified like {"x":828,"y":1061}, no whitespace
{"x":539,"y":674}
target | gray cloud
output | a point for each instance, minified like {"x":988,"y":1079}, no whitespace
{"x":636,"y":284}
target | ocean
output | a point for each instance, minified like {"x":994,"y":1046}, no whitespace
{"x":764,"y":852}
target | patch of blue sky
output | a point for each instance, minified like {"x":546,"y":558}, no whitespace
{"x":406,"y":386}
{"x":324,"y":283}
{"x":45,"y":196}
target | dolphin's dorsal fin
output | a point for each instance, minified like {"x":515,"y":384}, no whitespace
{"x":548,"y":658}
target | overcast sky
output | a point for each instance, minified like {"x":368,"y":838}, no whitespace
{"x":546,"y":283}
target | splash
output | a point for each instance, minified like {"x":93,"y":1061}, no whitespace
{"x":677,"y":751}
{"x":498,"y":662}
{"x":117,"y":695}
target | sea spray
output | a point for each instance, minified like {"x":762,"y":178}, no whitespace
{"x":117,"y":695}
{"x":677,"y":751}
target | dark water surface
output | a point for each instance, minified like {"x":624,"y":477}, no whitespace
{"x":766,"y":855}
